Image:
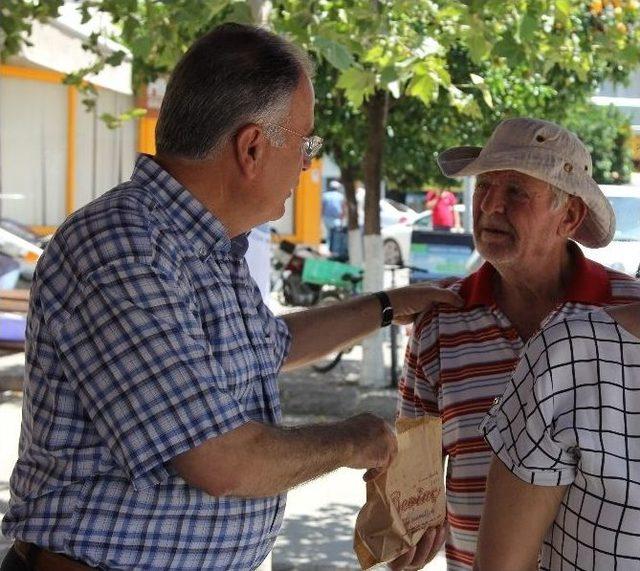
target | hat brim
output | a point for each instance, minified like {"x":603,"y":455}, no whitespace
{"x":598,"y":227}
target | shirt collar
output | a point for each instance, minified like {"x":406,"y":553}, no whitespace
{"x":589,"y":283}
{"x":199,"y":226}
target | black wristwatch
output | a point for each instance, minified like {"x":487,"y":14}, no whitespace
{"x":386,"y":313}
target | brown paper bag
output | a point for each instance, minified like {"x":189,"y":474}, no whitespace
{"x":407,"y":499}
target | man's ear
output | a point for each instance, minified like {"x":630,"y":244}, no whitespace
{"x":575,"y":212}
{"x":249,"y":149}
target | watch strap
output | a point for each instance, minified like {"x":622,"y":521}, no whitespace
{"x":386,"y":309}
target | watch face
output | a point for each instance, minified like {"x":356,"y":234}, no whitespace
{"x":387,"y":315}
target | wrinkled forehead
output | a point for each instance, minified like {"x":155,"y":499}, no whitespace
{"x":510,"y":176}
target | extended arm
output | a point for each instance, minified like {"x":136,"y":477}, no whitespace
{"x":258,"y":460}
{"x":320,"y":330}
{"x":514,"y":522}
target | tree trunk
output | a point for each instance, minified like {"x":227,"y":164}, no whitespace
{"x":355,"y":236}
{"x":376,"y":110}
{"x":373,"y":370}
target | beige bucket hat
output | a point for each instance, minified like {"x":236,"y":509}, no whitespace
{"x":547,"y":152}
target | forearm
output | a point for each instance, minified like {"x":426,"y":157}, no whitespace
{"x":285,"y":457}
{"x":258,"y":460}
{"x":514,"y":521}
{"x":320,"y":330}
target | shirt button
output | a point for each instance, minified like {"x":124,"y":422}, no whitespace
{"x":496,"y":401}
{"x":202,"y":252}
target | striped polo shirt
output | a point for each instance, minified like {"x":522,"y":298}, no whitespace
{"x":459,"y":361}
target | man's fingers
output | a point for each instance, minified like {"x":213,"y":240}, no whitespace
{"x":441,"y":295}
{"x":417,"y":298}
{"x":423,"y":548}
{"x":402,"y":561}
{"x":426,"y":549}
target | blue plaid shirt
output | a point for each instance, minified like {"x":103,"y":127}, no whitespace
{"x":146,"y":336}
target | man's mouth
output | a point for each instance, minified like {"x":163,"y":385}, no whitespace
{"x":490,"y":232}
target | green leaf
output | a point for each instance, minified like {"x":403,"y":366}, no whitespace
{"x":437,"y":66}
{"x":527,"y":28}
{"x":116,"y":58}
{"x":563,"y":8}
{"x":389,"y":75}
{"x":424,"y":87}
{"x":509,"y":48}
{"x":357,"y":84}
{"x":337,"y":55}
{"x":141,"y":46}
{"x":479,"y":47}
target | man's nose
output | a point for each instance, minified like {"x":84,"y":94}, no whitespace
{"x":493,"y":201}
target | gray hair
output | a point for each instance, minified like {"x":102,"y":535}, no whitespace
{"x":560,"y":197}
{"x":232,"y":76}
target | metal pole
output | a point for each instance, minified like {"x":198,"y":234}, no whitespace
{"x":394,"y":340}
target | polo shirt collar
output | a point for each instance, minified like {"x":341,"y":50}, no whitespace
{"x":199,"y":226}
{"x":589,"y":283}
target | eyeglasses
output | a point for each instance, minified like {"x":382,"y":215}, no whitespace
{"x":310,"y":145}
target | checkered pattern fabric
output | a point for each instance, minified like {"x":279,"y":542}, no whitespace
{"x":460,"y":359}
{"x":146,"y":337}
{"x":569,"y":417}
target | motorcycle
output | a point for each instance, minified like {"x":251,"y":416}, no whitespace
{"x":287,"y":265}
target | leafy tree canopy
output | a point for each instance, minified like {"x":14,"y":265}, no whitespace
{"x":452,"y":68}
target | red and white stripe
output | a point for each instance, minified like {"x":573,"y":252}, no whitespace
{"x":459,"y":360}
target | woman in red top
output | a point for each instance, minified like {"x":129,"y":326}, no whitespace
{"x":441,"y":203}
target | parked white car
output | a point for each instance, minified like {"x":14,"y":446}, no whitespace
{"x":391,"y":211}
{"x":396,"y":239}
{"x":394,"y":212}
{"x":623,"y":253}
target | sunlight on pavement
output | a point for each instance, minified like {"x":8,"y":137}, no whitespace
{"x":317,"y":534}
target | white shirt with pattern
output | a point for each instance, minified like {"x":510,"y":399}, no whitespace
{"x":571,"y":416}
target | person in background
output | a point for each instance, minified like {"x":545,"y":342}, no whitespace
{"x":334,"y":210}
{"x":152,"y":432}
{"x":563,"y":490}
{"x":442,"y":203}
{"x":534,"y":198}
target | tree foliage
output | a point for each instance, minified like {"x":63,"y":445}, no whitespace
{"x":455,"y":69}
{"x":607,"y":134}
{"x":451,"y":69}
{"x":16,"y":20}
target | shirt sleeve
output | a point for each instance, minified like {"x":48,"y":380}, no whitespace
{"x":418,"y":394}
{"x":135,"y":349}
{"x":520,"y":428}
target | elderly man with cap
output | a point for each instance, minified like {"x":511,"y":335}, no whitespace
{"x":534,"y":198}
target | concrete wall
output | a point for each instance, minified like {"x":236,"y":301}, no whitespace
{"x":37,"y":149}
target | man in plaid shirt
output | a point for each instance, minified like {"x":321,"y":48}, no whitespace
{"x":150,"y":434}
